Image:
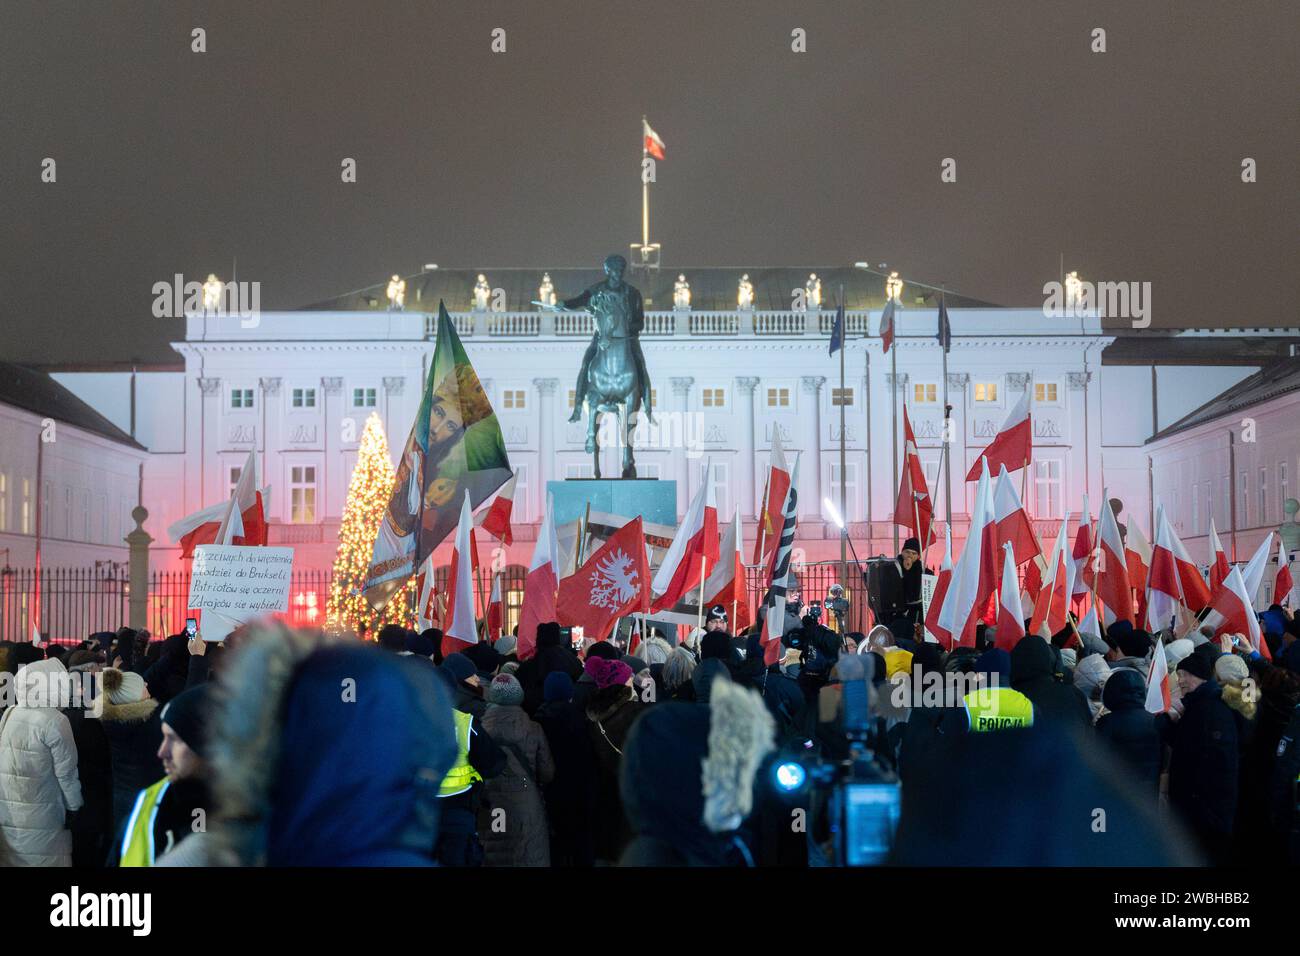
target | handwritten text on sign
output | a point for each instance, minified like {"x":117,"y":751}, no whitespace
{"x":240,"y":583}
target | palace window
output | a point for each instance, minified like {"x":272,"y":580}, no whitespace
{"x":1196,"y":508}
{"x":841,"y":396}
{"x":1243,"y":519}
{"x":578,"y":469}
{"x":714,"y":397}
{"x":513,"y":398}
{"x":241,"y":398}
{"x":302,"y":494}
{"x":1045,"y":391}
{"x":778,"y":398}
{"x":986,"y":392}
{"x":925,"y":393}
{"x":1263,"y":495}
{"x":26,"y":522}
{"x":363,"y":398}
{"x":304,"y":398}
{"x":850,"y":482}
{"x":719,"y":476}
{"x":1047,"y":488}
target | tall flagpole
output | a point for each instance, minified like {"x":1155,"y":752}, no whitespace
{"x":844,"y":511}
{"x":645,"y":195}
{"x":947,"y":413}
{"x":893,"y":406}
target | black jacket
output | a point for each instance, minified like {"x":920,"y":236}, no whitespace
{"x":1129,"y":729}
{"x":1203,"y":761}
{"x":571,"y":794}
{"x":134,"y":735}
{"x":532,"y":672}
{"x":1033,"y":673}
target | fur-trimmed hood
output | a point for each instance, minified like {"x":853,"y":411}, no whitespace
{"x":136,"y":712}
{"x":602,"y":703}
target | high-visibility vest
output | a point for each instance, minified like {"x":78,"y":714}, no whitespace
{"x":462,"y":775}
{"x":998,"y":708}
{"x":137,"y":840}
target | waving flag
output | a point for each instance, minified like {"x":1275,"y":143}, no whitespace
{"x":694,"y":547}
{"x":887,"y":326}
{"x":540,"y":584}
{"x":1158,"y":700}
{"x":781,"y":576}
{"x":1218,"y":559}
{"x":913,"y":509}
{"x":1053,"y":600}
{"x":940,"y":633}
{"x":1233,"y":604}
{"x":944,"y":334}
{"x":837,"y":330}
{"x":495,"y":610}
{"x":726,"y":583}
{"x":1113,"y":587}
{"x":653,"y":143}
{"x":1283,"y":583}
{"x":455,"y":447}
{"x":771,"y":515}
{"x":1011,"y":616}
{"x":461,"y":631}
{"x":496,"y":519}
{"x":614,"y":582}
{"x":1083,"y":557}
{"x":245,"y":520}
{"x":1013,"y":521}
{"x":1013,"y":444}
{"x":975,"y":576}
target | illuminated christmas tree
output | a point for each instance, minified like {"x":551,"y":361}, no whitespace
{"x":368,"y":494}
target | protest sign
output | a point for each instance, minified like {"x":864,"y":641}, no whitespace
{"x":231,"y":584}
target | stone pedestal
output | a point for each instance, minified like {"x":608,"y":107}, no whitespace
{"x":654,"y":499}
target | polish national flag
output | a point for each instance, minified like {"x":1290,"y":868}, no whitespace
{"x":495,"y":610}
{"x":1113,"y":586}
{"x":495,"y":520}
{"x":1195,"y":592}
{"x":771,"y":514}
{"x":1082,"y":558}
{"x":1011,"y":616}
{"x":780,"y":576}
{"x":1158,"y":678}
{"x":1033,"y":584}
{"x":201,"y":527}
{"x":725,"y":585}
{"x":1164,"y":583}
{"x":540,"y":585}
{"x":887,"y":327}
{"x":1137,"y":560}
{"x":975,"y":576}
{"x":1013,"y":444}
{"x":461,"y":630}
{"x":1284,"y":582}
{"x":1218,"y":559}
{"x":245,"y":521}
{"x":1252,"y":575}
{"x":1053,"y":601}
{"x":914,"y":509}
{"x":693,"y":551}
{"x":1089,"y":625}
{"x":932,"y":625}
{"x":1013,"y":521}
{"x":1234,"y":606}
{"x":428,"y":613}
{"x":654,"y":145}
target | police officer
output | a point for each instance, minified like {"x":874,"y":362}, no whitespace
{"x":994,"y":705}
{"x":477,"y":757}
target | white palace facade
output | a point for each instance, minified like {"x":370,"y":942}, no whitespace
{"x":732,"y":364}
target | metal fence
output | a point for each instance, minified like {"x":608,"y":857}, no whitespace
{"x":76,"y":602}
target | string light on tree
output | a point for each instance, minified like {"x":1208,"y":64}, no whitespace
{"x":369,"y":489}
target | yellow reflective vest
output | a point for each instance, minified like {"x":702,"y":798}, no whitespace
{"x":462,"y":775}
{"x":137,"y":840}
{"x":998,"y":708}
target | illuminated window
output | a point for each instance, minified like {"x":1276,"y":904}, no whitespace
{"x":363,"y":398}
{"x":302,"y":494}
{"x":925,"y":393}
{"x":513,"y":398}
{"x":654,"y":398}
{"x":1044,"y":391}
{"x":241,"y":398}
{"x":778,"y":398}
{"x":573,"y":397}
{"x":986,"y":391}
{"x":304,"y":398}
{"x":715,"y":397}
{"x":841,"y":396}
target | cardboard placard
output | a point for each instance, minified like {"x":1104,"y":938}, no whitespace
{"x":231,"y":584}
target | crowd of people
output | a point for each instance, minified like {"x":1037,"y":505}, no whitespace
{"x":293,"y":747}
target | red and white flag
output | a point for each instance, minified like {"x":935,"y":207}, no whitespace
{"x":198,"y":528}
{"x":1252,"y":576}
{"x":1168,"y":554}
{"x":1218,"y":559}
{"x":693,"y":551}
{"x":780,"y":577}
{"x":940,"y":633}
{"x":726,"y":584}
{"x":1113,"y":587}
{"x":1013,"y":521}
{"x":887,"y":326}
{"x":1053,"y":601}
{"x":914,"y":509}
{"x":1011,"y":616}
{"x":1137,"y":560}
{"x":245,"y":521}
{"x":1284,"y":582}
{"x":461,"y":631}
{"x":495,"y":520}
{"x":613,"y":582}
{"x":654,"y":144}
{"x":1238,"y":616}
{"x":1083,"y":558}
{"x":1013,"y":445}
{"x":495,"y":610}
{"x":428,"y":609}
{"x":771,"y":513}
{"x":540,"y":585}
{"x":975,"y":576}
{"x":1158,"y":679}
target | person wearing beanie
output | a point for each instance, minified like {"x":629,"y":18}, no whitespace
{"x":550,"y":654}
{"x":1129,"y":730}
{"x":611,"y":709}
{"x":515,"y":795}
{"x":134,"y":732}
{"x":1033,"y":673}
{"x":463,"y":681}
{"x":485,"y":659}
{"x":900,"y":587}
{"x":1203,"y":760}
{"x":505,"y":646}
{"x":1175,"y":651}
{"x":163,"y":817}
{"x":571,"y":794}
{"x":1232,"y":673}
{"x":419,"y":646}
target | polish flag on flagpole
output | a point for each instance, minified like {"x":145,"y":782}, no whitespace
{"x":1011,"y":616}
{"x":1013,"y":521}
{"x":771,"y":514}
{"x":941,"y":634}
{"x":495,"y":520}
{"x":1137,"y":560}
{"x":245,"y":521}
{"x":495,"y":610}
{"x":1158,"y":679}
{"x":540,"y":584}
{"x":1195,"y":592}
{"x":975,"y":576}
{"x":1164,"y":584}
{"x":1082,"y":561}
{"x":1234,"y":606}
{"x":1013,"y":444}
{"x":1113,"y":586}
{"x":426,"y":607}
{"x":1089,"y":625}
{"x":887,"y":328}
{"x":1053,"y":601}
{"x":695,"y":546}
{"x":1284,"y":582}
{"x":1252,"y":576}
{"x":913,"y":508}
{"x":654,"y":144}
{"x":726,"y":583}
{"x":198,"y":528}
{"x":780,"y":576}
{"x":461,"y":630}
{"x":1218,"y":559}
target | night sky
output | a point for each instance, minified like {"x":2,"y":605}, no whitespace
{"x":1127,"y":162}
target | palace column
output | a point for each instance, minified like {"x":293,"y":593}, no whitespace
{"x":331,"y":448}
{"x":682,"y":392}
{"x":209,"y":412}
{"x":810,"y":470}
{"x":748,"y":484}
{"x":270,"y":388}
{"x":545,"y":443}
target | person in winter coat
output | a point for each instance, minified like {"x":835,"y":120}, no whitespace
{"x":327,"y":752}
{"x":1033,"y":673}
{"x":92,"y":825}
{"x":1129,"y":729}
{"x":712,"y":754}
{"x":514,"y":797}
{"x":677,"y":674}
{"x":1203,"y":759}
{"x":461,"y":794}
{"x":551,"y":655}
{"x":571,"y":794}
{"x":611,"y":711}
{"x":1090,"y":676}
{"x":130,"y":721}
{"x":39,"y":787}
{"x":464,"y":680}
